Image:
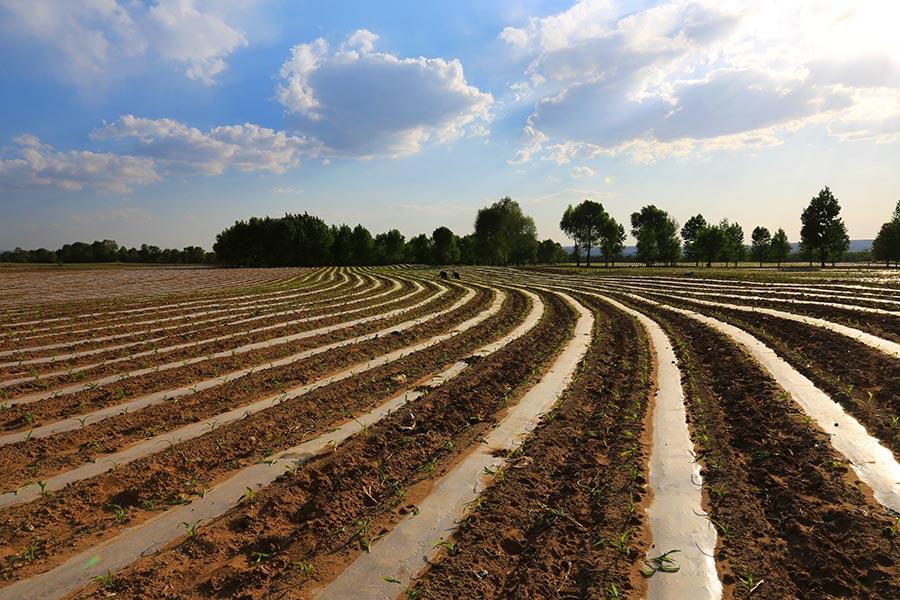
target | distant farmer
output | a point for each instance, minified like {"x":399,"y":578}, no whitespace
{"x":455,"y":275}
{"x":443,"y":274}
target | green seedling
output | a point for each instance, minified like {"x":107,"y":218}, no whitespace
{"x":305,"y":568}
{"x":121,"y":513}
{"x":105,"y":581}
{"x":660,"y":564}
{"x":191,"y":528}
{"x":452,"y":549}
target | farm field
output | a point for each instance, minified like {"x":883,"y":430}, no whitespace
{"x":386,"y":433}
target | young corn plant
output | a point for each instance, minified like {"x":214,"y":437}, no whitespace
{"x":660,"y":564}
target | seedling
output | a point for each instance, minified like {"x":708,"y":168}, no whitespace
{"x":249,"y":496}
{"x":105,"y":581}
{"x":452,"y":549}
{"x":191,"y":528}
{"x":121,"y":514}
{"x":305,"y":568}
{"x":660,"y":564}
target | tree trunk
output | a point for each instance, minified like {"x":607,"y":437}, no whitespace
{"x":588,"y":258}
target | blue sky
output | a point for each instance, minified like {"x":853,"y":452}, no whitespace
{"x":166,"y":120}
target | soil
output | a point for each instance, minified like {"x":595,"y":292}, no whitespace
{"x":788,"y":509}
{"x":326,"y":512}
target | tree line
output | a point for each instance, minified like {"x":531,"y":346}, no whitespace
{"x":503,"y":235}
{"x":106,"y":251}
{"x":823,"y":236}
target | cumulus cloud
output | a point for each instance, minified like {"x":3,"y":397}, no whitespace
{"x":684,"y":77}
{"x":35,"y":164}
{"x":91,"y":38}
{"x":579,"y":172}
{"x":179,"y":147}
{"x":363,"y":103}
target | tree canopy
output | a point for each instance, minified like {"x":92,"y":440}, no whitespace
{"x":823,"y":234}
{"x":886,"y":246}
{"x":657,"y":236}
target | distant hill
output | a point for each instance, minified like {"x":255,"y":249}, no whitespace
{"x":855,"y":246}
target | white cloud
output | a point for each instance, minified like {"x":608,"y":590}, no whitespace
{"x":579,"y":172}
{"x":246,"y":147}
{"x":291,"y":191}
{"x":362,"y":103}
{"x":91,"y":38}
{"x":687,"y":77}
{"x":35,"y":164}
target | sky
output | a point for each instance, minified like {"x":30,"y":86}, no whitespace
{"x":164,"y":121}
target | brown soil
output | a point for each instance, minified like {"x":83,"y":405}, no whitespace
{"x":787,"y":508}
{"x":327,"y":511}
{"x":43,"y":457}
{"x":75,"y":518}
{"x":865,"y":381}
{"x":76,"y":403}
{"x":189,"y":332}
{"x":548,"y":528}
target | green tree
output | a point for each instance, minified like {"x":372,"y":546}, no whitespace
{"x":886,"y":246}
{"x":445,"y":248}
{"x":710,"y":244}
{"x":689,"y":233}
{"x":657,"y":236}
{"x":612,"y":241}
{"x":780,"y":247}
{"x":734,"y":249}
{"x":761,"y":240}
{"x":504,"y":234}
{"x":823,"y":234}
{"x":418,"y":250}
{"x":550,"y":252}
{"x":390,"y":247}
{"x":568,"y":226}
{"x":585,"y":224}
{"x":342,"y":244}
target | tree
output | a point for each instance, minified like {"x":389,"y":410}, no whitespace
{"x":418,"y":250}
{"x":342,"y":245}
{"x":505,"y":234}
{"x":445,"y":248}
{"x":710,"y":244}
{"x":390,"y":247}
{"x":584,"y":224}
{"x":550,"y":252}
{"x":823,"y":233}
{"x":612,"y":241}
{"x":689,"y":233}
{"x":657,"y":236}
{"x":568,"y":226}
{"x":733,"y":249}
{"x":761,"y":242}
{"x":886,"y":246}
{"x":780,"y":247}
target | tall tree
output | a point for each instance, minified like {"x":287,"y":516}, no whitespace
{"x":657,"y":236}
{"x":588,"y":219}
{"x":612,"y":241}
{"x":390,"y":247}
{"x":550,"y":252}
{"x":568,"y":226}
{"x":780,"y":247}
{"x":734,"y":242}
{"x":419,"y":250}
{"x":761,"y":240}
{"x":823,"y":233}
{"x":689,"y":233}
{"x":445,"y":248}
{"x":710,"y":243}
{"x":342,"y":246}
{"x":505,"y":234}
{"x":886,"y":246}
{"x":362,"y":244}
